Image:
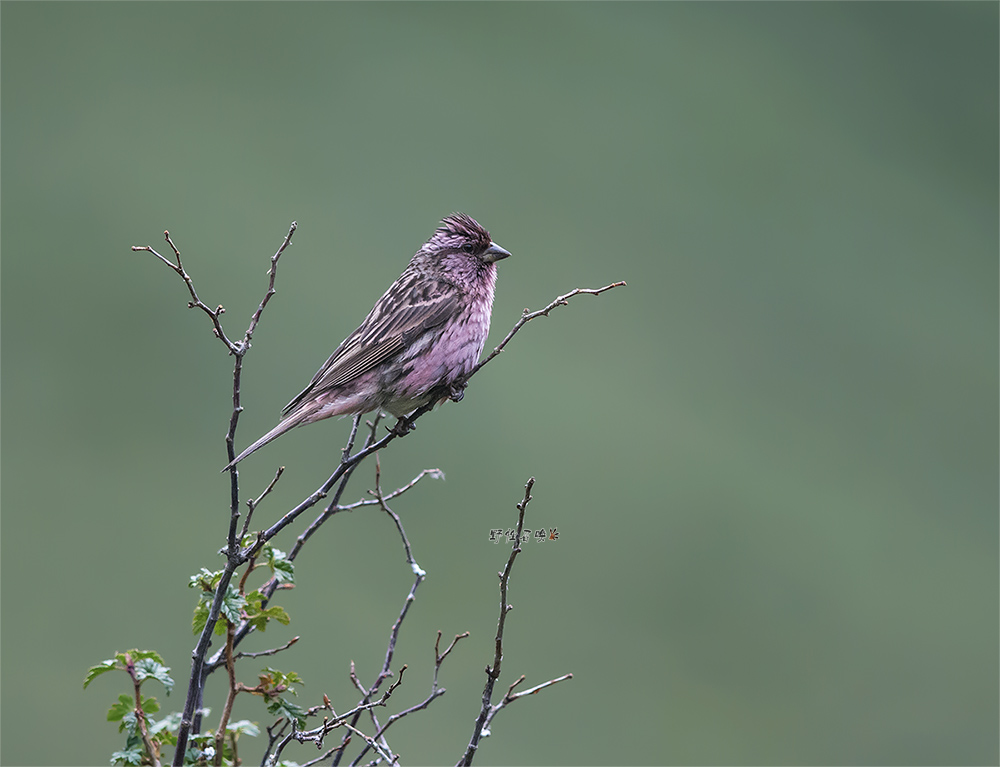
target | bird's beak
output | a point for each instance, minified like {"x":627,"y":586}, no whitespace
{"x":494,"y":253}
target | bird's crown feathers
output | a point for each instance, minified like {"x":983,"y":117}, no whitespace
{"x":458,"y":230}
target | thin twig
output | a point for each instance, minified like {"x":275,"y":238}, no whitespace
{"x":318,"y":734}
{"x":195,"y":302}
{"x":527,"y":316}
{"x":432,"y":473}
{"x":488,"y":710}
{"x":271,"y":273}
{"x":436,"y":691}
{"x":272,"y":651}
{"x":253,"y":503}
{"x":439,"y":657}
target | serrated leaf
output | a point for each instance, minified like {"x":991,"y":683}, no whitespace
{"x":166,"y":738}
{"x":258,"y":618}
{"x":281,"y":566}
{"x":121,"y":708}
{"x":146,"y":655}
{"x":129,"y":724}
{"x":277,"y":613}
{"x":170,"y":724}
{"x":150,"y":705}
{"x":277,"y":677}
{"x":282,"y":707}
{"x":200,"y":617}
{"x":102,"y":668}
{"x":244,"y":727}
{"x":232,"y":604}
{"x":129,"y":756}
{"x":205,"y":579}
{"x":153,"y":668}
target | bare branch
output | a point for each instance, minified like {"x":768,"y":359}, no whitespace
{"x":527,"y":316}
{"x":252,"y":504}
{"x":432,"y":473}
{"x":439,"y":657}
{"x":195,"y":302}
{"x":271,"y":273}
{"x":488,"y":710}
{"x":318,"y":734}
{"x":272,"y":651}
{"x":510,"y":698}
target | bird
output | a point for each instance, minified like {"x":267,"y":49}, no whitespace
{"x":423,"y":336}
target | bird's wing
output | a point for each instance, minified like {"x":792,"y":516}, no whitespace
{"x":396,"y":320}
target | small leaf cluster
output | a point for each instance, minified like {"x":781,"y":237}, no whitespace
{"x":237,"y":606}
{"x":144,"y":736}
{"x":201,"y":747}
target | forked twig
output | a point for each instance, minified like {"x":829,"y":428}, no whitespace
{"x":488,"y":710}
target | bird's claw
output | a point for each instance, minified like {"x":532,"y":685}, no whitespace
{"x":403,"y":427}
{"x":456,"y":391}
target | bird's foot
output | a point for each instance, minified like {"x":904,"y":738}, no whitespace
{"x":456,"y":391}
{"x":403,"y":426}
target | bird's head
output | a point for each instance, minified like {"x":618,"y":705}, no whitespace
{"x":461,"y":234}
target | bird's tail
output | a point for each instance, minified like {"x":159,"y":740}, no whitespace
{"x":296,"y":419}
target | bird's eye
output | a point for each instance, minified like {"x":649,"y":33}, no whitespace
{"x":468,"y":248}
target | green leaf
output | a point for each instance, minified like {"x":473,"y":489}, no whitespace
{"x":150,"y":667}
{"x":129,"y":724}
{"x":150,"y":705}
{"x":206,"y":580}
{"x":276,"y":678}
{"x":277,"y":613}
{"x":282,"y":707}
{"x":130,"y":756}
{"x":95,"y":671}
{"x":200,"y":616}
{"x":166,"y":738}
{"x":258,"y":617}
{"x":281,"y":566}
{"x":124,"y":705}
{"x":171,"y":722}
{"x":147,"y":655}
{"x":232,"y":604}
{"x":244,"y":727}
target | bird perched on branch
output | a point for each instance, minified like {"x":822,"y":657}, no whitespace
{"x":422,"y":337}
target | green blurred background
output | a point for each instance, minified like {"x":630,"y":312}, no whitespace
{"x":771,"y":459}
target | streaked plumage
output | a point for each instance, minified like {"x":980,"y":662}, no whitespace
{"x":426,"y":331}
